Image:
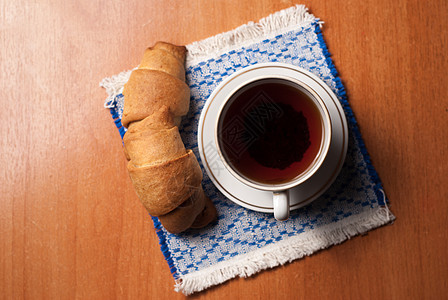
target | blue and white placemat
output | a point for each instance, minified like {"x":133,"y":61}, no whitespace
{"x":244,"y":242}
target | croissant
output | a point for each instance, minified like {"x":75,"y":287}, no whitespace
{"x":166,"y":176}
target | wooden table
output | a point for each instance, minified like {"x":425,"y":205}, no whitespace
{"x":71,"y":225}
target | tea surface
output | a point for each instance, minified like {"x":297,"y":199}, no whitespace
{"x":270,"y":131}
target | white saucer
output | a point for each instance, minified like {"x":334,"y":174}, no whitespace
{"x":247,"y":196}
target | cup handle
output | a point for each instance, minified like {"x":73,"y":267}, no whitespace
{"x":281,"y":205}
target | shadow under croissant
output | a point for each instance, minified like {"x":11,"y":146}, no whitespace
{"x":195,"y":212}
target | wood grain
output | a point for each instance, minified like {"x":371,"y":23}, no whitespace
{"x":70,"y":223}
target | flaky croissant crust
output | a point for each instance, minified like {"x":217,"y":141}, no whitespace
{"x":166,"y":176}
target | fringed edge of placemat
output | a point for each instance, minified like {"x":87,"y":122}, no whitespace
{"x":247,"y":34}
{"x":284,"y":251}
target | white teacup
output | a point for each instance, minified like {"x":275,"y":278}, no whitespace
{"x":253,"y":114}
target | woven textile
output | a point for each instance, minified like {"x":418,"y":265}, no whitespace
{"x":243,"y":242}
